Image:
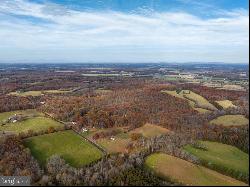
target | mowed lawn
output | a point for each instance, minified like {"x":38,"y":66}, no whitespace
{"x":226,"y":104}
{"x":150,"y":130}
{"x":35,"y":124}
{"x":230,"y":120}
{"x":180,"y":171}
{"x":73,"y":148}
{"x":226,"y":158}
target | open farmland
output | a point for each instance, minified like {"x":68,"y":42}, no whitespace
{"x":230,"y":120}
{"x":120,"y":142}
{"x":38,"y":93}
{"x":28,"y":113}
{"x":226,"y":104}
{"x":117,"y":145}
{"x":138,"y":130}
{"x":150,"y":130}
{"x":73,"y":148}
{"x":28,"y":93}
{"x":105,"y":74}
{"x":232,"y":87}
{"x":224,"y":158}
{"x":181,"y":171}
{"x":35,"y":124}
{"x":196,"y":101}
{"x":200,"y":101}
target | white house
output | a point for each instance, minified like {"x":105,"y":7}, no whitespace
{"x":84,"y":130}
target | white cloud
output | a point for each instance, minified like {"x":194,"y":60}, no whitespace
{"x":114,"y":36}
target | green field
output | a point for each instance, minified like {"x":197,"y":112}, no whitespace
{"x":227,"y":159}
{"x":230,"y":120}
{"x":35,"y":124}
{"x":226,"y":104}
{"x":38,"y":93}
{"x":29,"y":113}
{"x":73,"y":148}
{"x":196,"y":101}
{"x":180,"y":171}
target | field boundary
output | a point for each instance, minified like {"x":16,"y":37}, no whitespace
{"x":93,"y":143}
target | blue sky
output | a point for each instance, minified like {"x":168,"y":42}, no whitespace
{"x":124,"y":31}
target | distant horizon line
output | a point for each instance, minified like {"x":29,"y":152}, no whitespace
{"x":188,"y":62}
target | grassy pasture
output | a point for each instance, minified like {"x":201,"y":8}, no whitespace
{"x":29,"y":113}
{"x":181,"y":171}
{"x":28,"y":93}
{"x":123,"y":139}
{"x":149,"y":130}
{"x":35,"y":124}
{"x":226,"y":104}
{"x":73,"y":148}
{"x":38,"y":93}
{"x":230,"y":120}
{"x":225,"y":158}
{"x":232,"y":87}
{"x":92,"y":131}
{"x":202,"y":110}
{"x":196,"y":101}
{"x":118,"y":145}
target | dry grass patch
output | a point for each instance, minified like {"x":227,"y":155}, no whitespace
{"x":38,"y":93}
{"x":230,"y":120}
{"x":226,"y":104}
{"x":196,"y":101}
{"x":149,"y":130}
{"x":117,"y":145}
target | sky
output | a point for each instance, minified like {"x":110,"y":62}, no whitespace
{"x":125,"y":31}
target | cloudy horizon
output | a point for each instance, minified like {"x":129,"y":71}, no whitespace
{"x":64,"y":31}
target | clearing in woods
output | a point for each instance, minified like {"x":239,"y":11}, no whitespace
{"x":116,"y":143}
{"x":187,"y":173}
{"x":35,"y":124}
{"x":150,"y":130}
{"x":28,"y":113}
{"x":71,"y":147}
{"x":196,"y":101}
{"x":38,"y":93}
{"x":225,"y":158}
{"x":230,"y":120}
{"x":226,"y":104}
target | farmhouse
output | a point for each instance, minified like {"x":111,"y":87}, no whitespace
{"x":15,"y":118}
{"x":85,"y":130}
